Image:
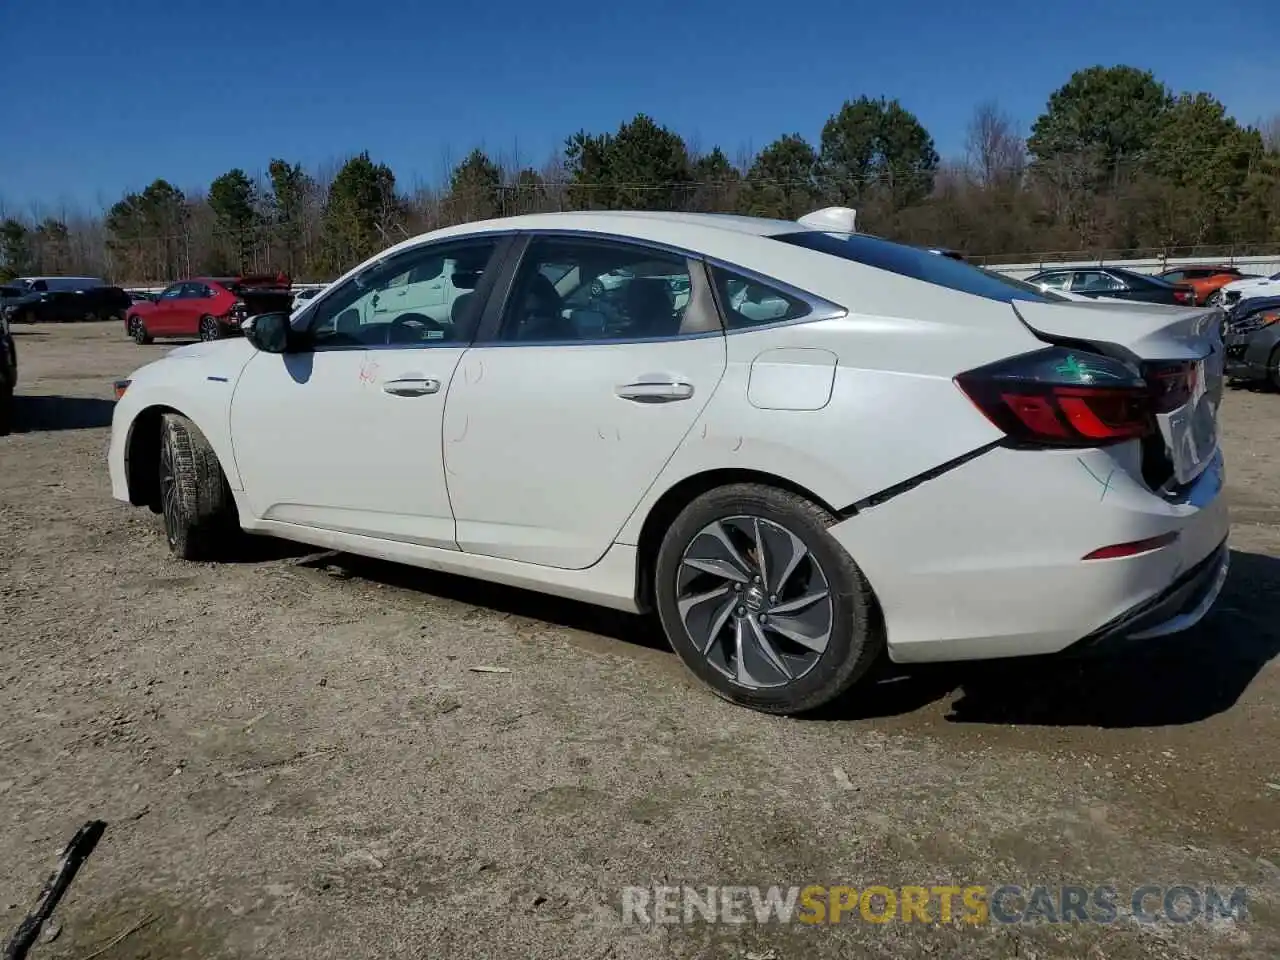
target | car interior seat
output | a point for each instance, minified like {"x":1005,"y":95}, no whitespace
{"x":650,"y":308}
{"x":542,"y":312}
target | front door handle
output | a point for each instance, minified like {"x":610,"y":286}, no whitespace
{"x":411,"y":388}
{"x":660,"y":391}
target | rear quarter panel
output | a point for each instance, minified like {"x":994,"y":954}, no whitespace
{"x":894,"y":411}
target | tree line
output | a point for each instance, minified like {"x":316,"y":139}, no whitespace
{"x":1116,"y":164}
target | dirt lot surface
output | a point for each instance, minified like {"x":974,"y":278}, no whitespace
{"x":295,"y":759}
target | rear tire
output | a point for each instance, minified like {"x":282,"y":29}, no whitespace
{"x":782,"y":637}
{"x":200,"y":519}
{"x":210,"y":329}
{"x":138,"y":330}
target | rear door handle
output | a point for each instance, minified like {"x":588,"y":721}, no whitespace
{"x":661,"y":391}
{"x":411,"y":388}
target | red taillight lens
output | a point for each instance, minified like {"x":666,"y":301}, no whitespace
{"x":1172,"y":384}
{"x":1185,"y":295}
{"x":1132,"y":548}
{"x":1062,"y":398}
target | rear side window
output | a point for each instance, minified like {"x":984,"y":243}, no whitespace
{"x":918,"y":264}
{"x":749,"y":303}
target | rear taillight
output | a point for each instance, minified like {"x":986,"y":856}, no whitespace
{"x":238,"y":312}
{"x":1062,"y":398}
{"x":1185,"y":295}
{"x":1172,"y":384}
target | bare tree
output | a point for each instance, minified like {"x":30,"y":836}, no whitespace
{"x":994,"y":148}
{"x":1271,"y":133}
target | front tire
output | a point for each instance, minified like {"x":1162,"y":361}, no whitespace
{"x":762,"y":603}
{"x":200,"y":520}
{"x":138,"y":330}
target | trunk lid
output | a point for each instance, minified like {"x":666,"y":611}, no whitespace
{"x":1157,"y":340}
{"x":1148,"y":331}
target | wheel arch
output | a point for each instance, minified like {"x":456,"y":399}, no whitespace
{"x":668,"y":506}
{"x":142,"y":456}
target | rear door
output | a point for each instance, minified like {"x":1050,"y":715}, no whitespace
{"x":563,"y":414}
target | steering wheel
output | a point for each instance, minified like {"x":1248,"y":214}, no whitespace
{"x":417,"y":323}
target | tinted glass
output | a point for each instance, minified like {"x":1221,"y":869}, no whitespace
{"x":918,"y":264}
{"x":1054,"y":281}
{"x":384,"y":305}
{"x":1132,"y":279}
{"x":1095,"y":281}
{"x":603,"y":291}
{"x":748,"y":302}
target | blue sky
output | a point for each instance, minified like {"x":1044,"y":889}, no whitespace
{"x":102,"y":96}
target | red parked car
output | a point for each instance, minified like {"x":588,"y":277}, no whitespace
{"x":207,"y":307}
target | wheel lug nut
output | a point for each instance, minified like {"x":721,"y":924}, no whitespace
{"x":742,"y":611}
{"x":773,"y":599}
{"x":764,"y":618}
{"x":737,"y":588}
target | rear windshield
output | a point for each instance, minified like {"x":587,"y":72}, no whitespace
{"x":919,"y":265}
{"x":1141,"y":279}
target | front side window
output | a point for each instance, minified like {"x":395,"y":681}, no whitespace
{"x":747,"y":302}
{"x":602,"y":291}
{"x":404,"y":300}
{"x":1054,"y":281}
{"x":1095,"y":281}
{"x":173,"y":292}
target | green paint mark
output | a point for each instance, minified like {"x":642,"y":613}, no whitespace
{"x":1082,"y":371}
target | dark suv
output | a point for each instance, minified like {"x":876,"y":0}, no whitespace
{"x":56,"y":299}
{"x":8,"y":376}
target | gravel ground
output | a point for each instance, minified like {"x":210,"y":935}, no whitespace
{"x":295,"y":759}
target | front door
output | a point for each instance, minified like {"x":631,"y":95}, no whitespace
{"x":557,"y":426}
{"x":346,"y":435}
{"x":164,"y":320}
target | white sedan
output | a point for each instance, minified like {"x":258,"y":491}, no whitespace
{"x":903,"y":455}
{"x":1232,"y":293}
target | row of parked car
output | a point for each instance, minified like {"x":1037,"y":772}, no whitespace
{"x":1185,"y":286}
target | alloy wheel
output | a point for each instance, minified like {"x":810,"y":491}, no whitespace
{"x":755,"y":601}
{"x":208,"y":329}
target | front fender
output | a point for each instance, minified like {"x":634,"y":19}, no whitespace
{"x":198,"y":387}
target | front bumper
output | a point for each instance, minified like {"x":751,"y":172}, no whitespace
{"x":1248,"y":355}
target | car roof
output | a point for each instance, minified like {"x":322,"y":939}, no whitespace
{"x":623,"y":221}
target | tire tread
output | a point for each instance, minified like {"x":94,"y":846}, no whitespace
{"x":205,"y":506}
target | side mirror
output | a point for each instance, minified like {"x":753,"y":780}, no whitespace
{"x":268,"y":332}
